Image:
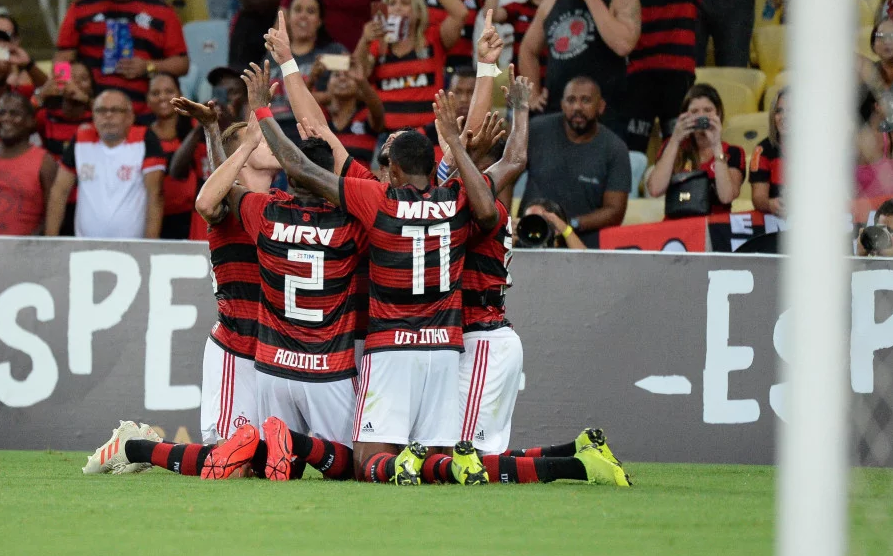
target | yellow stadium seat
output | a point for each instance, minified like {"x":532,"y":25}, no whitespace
{"x":782,"y":78}
{"x":192,"y":11}
{"x":770,"y":43}
{"x":736,"y":98}
{"x":758,"y":22}
{"x":746,"y":193}
{"x":863,"y":43}
{"x":753,"y":79}
{"x":643,"y":211}
{"x":46,"y":66}
{"x":769,"y":96}
{"x":742,"y":205}
{"x":866,"y":13}
{"x":747,"y":130}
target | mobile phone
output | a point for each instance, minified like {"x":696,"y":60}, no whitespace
{"x":335,"y":62}
{"x":62,"y":72}
{"x":396,"y":28}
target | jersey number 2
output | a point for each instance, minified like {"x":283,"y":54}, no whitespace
{"x":315,"y":259}
{"x":417,"y":233}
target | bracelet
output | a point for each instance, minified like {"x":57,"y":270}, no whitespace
{"x":289,"y":68}
{"x":567,"y":232}
{"x":263,"y":112}
{"x":488,"y":70}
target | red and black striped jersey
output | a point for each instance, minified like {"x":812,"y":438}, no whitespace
{"x":179,"y":195}
{"x":485,"y":276}
{"x":766,"y":166}
{"x":520,"y":16}
{"x":156,"y":31}
{"x":667,"y":41}
{"x":407,"y":85}
{"x":308,"y":251}
{"x":236,"y":276}
{"x":461,"y":53}
{"x":353,"y":169}
{"x":358,"y":137}
{"x":417,"y":252}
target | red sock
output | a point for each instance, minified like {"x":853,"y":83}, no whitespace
{"x":334,"y":460}
{"x":526,"y":452}
{"x":508,"y":469}
{"x":379,"y":468}
{"x":185,"y":459}
{"x":437,"y":469}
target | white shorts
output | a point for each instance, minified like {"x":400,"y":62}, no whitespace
{"x":489,"y":377}
{"x":228,"y":394}
{"x":325,"y":409}
{"x":409,"y":395}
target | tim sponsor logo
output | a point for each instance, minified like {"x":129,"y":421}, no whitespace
{"x":426,"y":209}
{"x":303,"y":361}
{"x":309,"y":235}
{"x":424,"y":336}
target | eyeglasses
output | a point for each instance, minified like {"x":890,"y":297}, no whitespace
{"x":110,"y":111}
{"x":886,"y":37}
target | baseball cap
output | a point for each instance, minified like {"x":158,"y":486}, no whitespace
{"x":218,"y":73}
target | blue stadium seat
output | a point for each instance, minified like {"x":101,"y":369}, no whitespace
{"x":208,"y":45}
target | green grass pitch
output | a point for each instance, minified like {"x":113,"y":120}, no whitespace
{"x":47,"y":506}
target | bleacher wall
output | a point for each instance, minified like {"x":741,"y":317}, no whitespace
{"x":673,"y":354}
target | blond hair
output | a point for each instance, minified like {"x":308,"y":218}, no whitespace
{"x":420,"y":10}
{"x":774,"y":135}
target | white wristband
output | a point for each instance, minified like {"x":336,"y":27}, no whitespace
{"x":289,"y":68}
{"x":488,"y":70}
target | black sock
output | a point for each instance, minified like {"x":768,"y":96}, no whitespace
{"x":555,"y":451}
{"x":334,"y":460}
{"x":185,"y":459}
{"x":509,"y":469}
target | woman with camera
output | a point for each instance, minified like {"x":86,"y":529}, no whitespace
{"x":544,"y":225}
{"x":766,"y":162}
{"x":696,"y":145}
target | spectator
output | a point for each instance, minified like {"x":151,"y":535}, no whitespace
{"x":171,"y":129}
{"x":461,"y":53}
{"x":519,"y":15}
{"x":65,"y":107}
{"x":344,"y":20}
{"x":563,"y":234}
{"x":766,"y":163}
{"x":883,"y":216}
{"x":158,"y":44}
{"x":229,"y":93}
{"x":730,"y":23}
{"x":26,"y":171}
{"x":874,"y":171}
{"x":661,"y":68}
{"x":585,"y":37}
{"x":877,"y":77}
{"x":579,"y":163}
{"x":19,"y":73}
{"x":309,"y":40}
{"x":689,"y":149}
{"x":409,"y":72}
{"x":354,"y":113}
{"x":119,"y":168}
{"x":462,"y":83}
{"x":246,"y":42}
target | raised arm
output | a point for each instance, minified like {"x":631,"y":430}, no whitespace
{"x":620,"y":25}
{"x":480,"y":196}
{"x":529,"y":54}
{"x":295,"y":164}
{"x":451,"y":27}
{"x":506,"y":171}
{"x":208,"y":116}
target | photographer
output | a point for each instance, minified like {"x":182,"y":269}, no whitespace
{"x":877,"y":240}
{"x":544,"y":225}
{"x":696,"y":144}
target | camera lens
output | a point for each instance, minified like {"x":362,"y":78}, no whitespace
{"x":534,"y":231}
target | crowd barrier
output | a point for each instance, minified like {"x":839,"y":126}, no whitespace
{"x":674,"y":355}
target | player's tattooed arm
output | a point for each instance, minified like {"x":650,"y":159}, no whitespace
{"x":506,"y":171}
{"x":620,"y":25}
{"x":480,"y":197}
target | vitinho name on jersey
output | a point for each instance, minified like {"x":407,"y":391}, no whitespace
{"x":426,"y":209}
{"x":423,"y":336}
{"x":304,"y":361}
{"x":301,"y":234}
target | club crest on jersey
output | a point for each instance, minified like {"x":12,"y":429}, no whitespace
{"x":309,"y":235}
{"x":426,"y":209}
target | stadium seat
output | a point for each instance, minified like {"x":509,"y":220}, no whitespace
{"x":863,"y":44}
{"x":746,"y":130}
{"x":782,"y":78}
{"x":770,"y":44}
{"x":46,"y":66}
{"x":866,"y":13}
{"x":638,"y":163}
{"x":753,"y":79}
{"x":192,"y":11}
{"x":770,"y":94}
{"x":736,"y":98}
{"x":643,"y":211}
{"x":758,"y":22}
{"x":208,"y":45}
{"x":746,"y":193}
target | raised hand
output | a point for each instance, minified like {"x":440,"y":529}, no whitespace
{"x":258,"y":82}
{"x":373,"y":30}
{"x":308,"y":130}
{"x":539,"y":102}
{"x":489,"y":44}
{"x":253,"y":134}
{"x":445,"y":114}
{"x":205,"y":114}
{"x":277,"y":43}
{"x":18,"y":56}
{"x":519,"y":91}
{"x":491,"y":131}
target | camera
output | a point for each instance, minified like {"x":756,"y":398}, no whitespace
{"x":534,"y":232}
{"x":702,"y":122}
{"x":876,"y":238}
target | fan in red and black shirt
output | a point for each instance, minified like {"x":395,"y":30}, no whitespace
{"x":462,"y":52}
{"x":417,"y":236}
{"x":355,"y":113}
{"x":690,"y":148}
{"x":766,"y":165}
{"x":158,"y":43}
{"x":519,"y":15}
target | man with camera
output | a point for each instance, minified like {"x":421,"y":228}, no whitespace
{"x":877,"y":240}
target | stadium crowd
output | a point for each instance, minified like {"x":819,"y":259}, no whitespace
{"x":627,"y":104}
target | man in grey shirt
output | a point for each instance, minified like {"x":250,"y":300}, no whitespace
{"x":579,"y":163}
